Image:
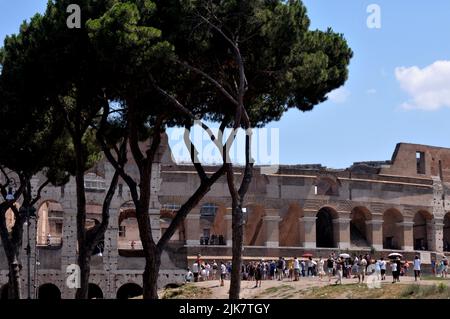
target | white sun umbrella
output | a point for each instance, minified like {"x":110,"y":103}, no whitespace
{"x":395,"y":255}
{"x":344,"y":255}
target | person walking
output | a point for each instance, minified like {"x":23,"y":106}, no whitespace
{"x":330,"y":267}
{"x":339,"y":268}
{"x":320,"y":270}
{"x":417,"y":264}
{"x":383,"y":268}
{"x":394,"y":271}
{"x":258,"y":274}
{"x":296,"y":269}
{"x":223,"y":273}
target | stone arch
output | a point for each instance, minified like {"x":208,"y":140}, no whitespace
{"x":446,"y":233}
{"x":95,"y":292}
{"x":325,"y":230}
{"x":128,"y":235}
{"x":49,"y":292}
{"x":422,"y":230}
{"x":208,"y":212}
{"x":50,"y":223}
{"x":129,"y":290}
{"x":360,"y":230}
{"x":4,"y":292}
{"x":393,"y":236}
{"x":253,"y":234}
{"x":289,"y":229}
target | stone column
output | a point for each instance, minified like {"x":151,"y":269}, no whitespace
{"x":229,"y":229}
{"x":375,"y":233}
{"x":408,"y":239}
{"x":308,"y":231}
{"x":342,"y":232}
{"x":437,"y":235}
{"x":69,"y":249}
{"x":193,"y":229}
{"x":271,"y":228}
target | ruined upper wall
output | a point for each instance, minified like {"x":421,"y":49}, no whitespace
{"x":417,"y":160}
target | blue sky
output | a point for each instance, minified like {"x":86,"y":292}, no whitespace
{"x":396,"y":90}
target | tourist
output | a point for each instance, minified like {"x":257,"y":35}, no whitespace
{"x":132,"y":244}
{"x":416,"y":268}
{"x":296,"y":269}
{"x":362,"y":267}
{"x":208,"y":271}
{"x":223,"y":273}
{"x":394,"y":271}
{"x":399,"y":265}
{"x":310,"y":267}
{"x":280,"y":269}
{"x":444,"y":267}
{"x":378,"y":269}
{"x":339,"y":265}
{"x":321,"y":270}
{"x":189,"y":276}
{"x":273,"y":267}
{"x":258,"y":275}
{"x":49,"y":239}
{"x":330,"y":267}
{"x":383,"y":268}
{"x":303,"y":267}
{"x":214,"y":270}
{"x":195,"y":270}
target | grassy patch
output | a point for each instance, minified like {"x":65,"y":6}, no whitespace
{"x":187,"y":291}
{"x":439,"y":291}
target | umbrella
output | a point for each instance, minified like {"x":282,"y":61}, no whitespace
{"x":344,"y":256}
{"x":307,"y":255}
{"x":395,"y":255}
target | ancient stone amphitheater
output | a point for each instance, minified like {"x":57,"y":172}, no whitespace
{"x":378,"y":207}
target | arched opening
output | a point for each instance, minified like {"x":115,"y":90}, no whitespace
{"x":167,"y":213}
{"x":325,"y":230}
{"x":253,"y":228}
{"x":289,"y":229}
{"x":359,"y":229}
{"x":128,"y":229}
{"x":94,"y":292}
{"x":208,"y":213}
{"x":421,"y":231}
{"x":50,"y":224}
{"x":128,"y":291}
{"x":392,"y":231}
{"x":4,"y":292}
{"x":446,"y":234}
{"x":49,"y":292}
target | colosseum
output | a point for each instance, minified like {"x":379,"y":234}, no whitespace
{"x":379,"y":207}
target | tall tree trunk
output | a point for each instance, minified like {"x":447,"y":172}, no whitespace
{"x":237,"y":236}
{"x":14,"y":283}
{"x":151,"y":274}
{"x":83,"y":254}
{"x":84,"y":262}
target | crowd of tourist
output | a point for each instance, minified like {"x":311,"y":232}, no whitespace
{"x":335,"y":267}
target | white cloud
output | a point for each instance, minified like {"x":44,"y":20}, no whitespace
{"x":429,"y":87}
{"x":339,"y":96}
{"x":371,"y":91}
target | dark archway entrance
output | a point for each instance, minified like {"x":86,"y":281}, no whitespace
{"x":392,"y":231}
{"x":422,"y":221}
{"x":95,"y":292}
{"x":49,"y":292}
{"x":129,"y":291}
{"x":359,"y":230}
{"x":325,"y":229}
{"x":446,"y":235}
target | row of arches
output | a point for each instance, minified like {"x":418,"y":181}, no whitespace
{"x":50,"y":291}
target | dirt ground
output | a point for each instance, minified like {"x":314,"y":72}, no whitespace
{"x":313,"y":287}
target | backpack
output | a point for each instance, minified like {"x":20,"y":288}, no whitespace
{"x":445,"y":262}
